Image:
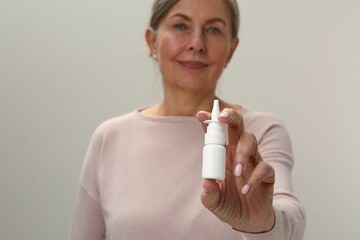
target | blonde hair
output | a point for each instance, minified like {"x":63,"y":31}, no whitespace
{"x":161,"y":7}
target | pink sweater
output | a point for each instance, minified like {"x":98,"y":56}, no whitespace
{"x":141,"y":179}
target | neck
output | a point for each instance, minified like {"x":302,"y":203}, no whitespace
{"x":185,"y":104}
{"x":182,"y":104}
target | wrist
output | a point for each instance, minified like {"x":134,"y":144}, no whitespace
{"x":264,"y":227}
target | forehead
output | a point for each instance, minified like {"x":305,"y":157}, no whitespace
{"x":201,"y":10}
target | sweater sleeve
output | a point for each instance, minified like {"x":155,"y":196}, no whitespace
{"x":88,"y":221}
{"x":275,"y":148}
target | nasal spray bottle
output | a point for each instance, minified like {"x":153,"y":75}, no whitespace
{"x":214,"y":152}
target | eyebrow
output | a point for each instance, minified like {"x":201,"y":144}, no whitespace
{"x":185,"y":17}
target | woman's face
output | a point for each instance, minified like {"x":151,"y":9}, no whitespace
{"x":193,"y":44}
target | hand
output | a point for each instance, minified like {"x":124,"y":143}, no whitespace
{"x":244,"y":198}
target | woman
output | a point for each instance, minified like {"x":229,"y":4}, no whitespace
{"x":141,"y":176}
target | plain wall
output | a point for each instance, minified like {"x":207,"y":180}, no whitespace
{"x":66,"y":66}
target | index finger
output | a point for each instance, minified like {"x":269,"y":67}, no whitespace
{"x":203,"y":116}
{"x":235,"y":123}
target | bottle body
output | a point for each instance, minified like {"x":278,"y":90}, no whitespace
{"x":214,"y":161}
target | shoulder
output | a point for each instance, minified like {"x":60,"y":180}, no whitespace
{"x":271,"y":134}
{"x":258,"y":119}
{"x":264,"y":125}
{"x":115,"y":125}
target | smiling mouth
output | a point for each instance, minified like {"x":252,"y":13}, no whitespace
{"x":193,"y":64}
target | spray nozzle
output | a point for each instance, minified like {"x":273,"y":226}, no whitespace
{"x":215,"y":111}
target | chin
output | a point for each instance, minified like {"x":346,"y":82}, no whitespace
{"x":195,"y":84}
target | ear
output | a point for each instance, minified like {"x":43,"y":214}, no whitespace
{"x":150,"y":36}
{"x":232,"y":49}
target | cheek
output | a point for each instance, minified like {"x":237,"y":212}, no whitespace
{"x":219,"y":54}
{"x":169,"y":46}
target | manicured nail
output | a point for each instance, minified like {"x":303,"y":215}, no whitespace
{"x":205,"y":189}
{"x":245,"y":189}
{"x":201,"y":112}
{"x":224,"y":114}
{"x":238,"y":170}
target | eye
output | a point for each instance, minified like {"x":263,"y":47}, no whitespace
{"x":180,"y":26}
{"x":214,"y":30}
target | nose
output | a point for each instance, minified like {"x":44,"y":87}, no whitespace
{"x":197,"y":42}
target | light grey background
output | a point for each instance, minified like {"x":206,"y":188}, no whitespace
{"x":65,"y":66}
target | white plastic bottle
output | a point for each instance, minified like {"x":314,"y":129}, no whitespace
{"x":214,"y":151}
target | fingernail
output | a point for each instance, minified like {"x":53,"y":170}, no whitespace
{"x":245,"y":189}
{"x":224,"y":114}
{"x":205,"y":189}
{"x":238,"y":170}
{"x":201,"y":112}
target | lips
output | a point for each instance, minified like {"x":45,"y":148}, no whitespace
{"x":193,"y":64}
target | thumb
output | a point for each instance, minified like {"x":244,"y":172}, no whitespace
{"x":210,"y":196}
{"x":202,"y":116}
